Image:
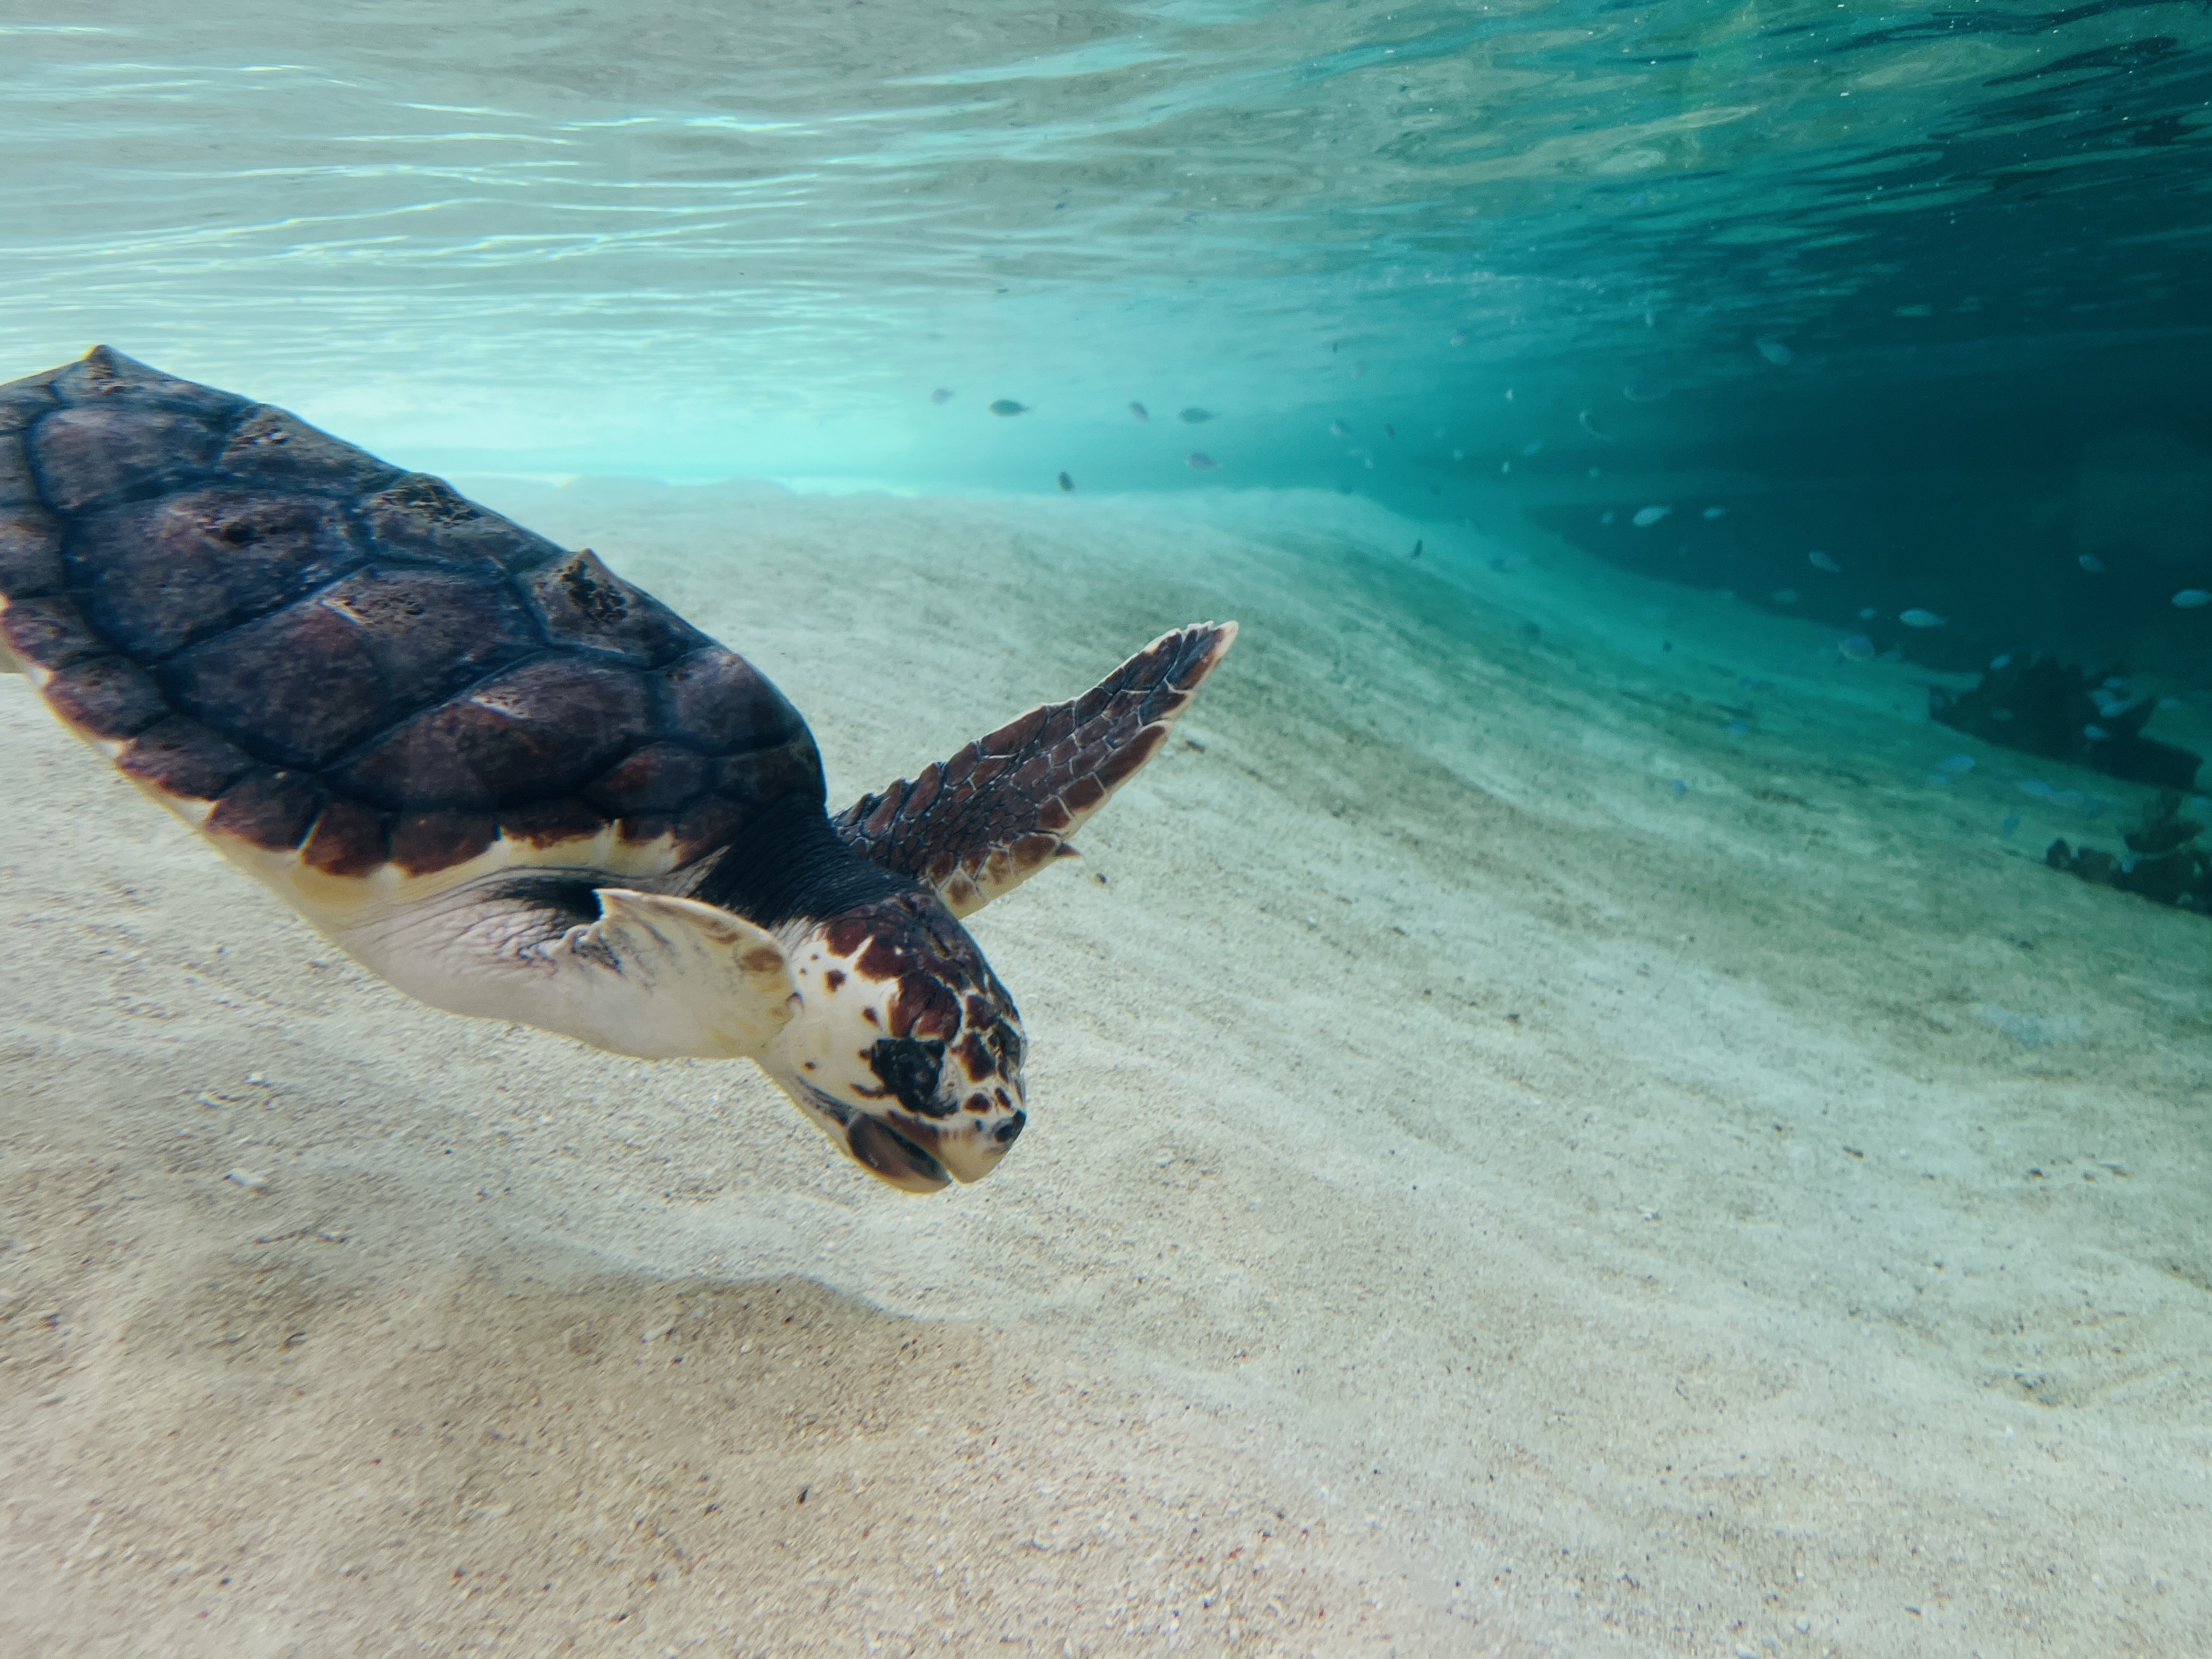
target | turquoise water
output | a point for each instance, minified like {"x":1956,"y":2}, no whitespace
{"x":694,"y":240}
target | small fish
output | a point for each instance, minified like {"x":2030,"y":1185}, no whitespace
{"x":1717,"y":512}
{"x":1820,"y":561}
{"x":1643,"y":392}
{"x":1459,"y":337}
{"x":1647,"y":516}
{"x":1511,"y":563}
{"x":1956,"y":765}
{"x":1655,"y":613}
{"x":1737,"y":729}
{"x":1199,"y":461}
{"x":1195,"y":417}
{"x":2092,"y":564}
{"x":1857,"y":648}
{"x":942,"y":395}
{"x":1008,"y":406}
{"x":1868,"y":614}
{"x":1066,"y":483}
{"x":2003,"y":661}
{"x":1678,"y":789}
{"x":1607,"y":516}
{"x":1602,"y":437}
{"x":1530,"y":632}
{"x":1389,"y":431}
{"x":1417,"y":549}
{"x":2095,"y":733}
{"x":1783,"y":596}
{"x":2067,"y":798}
{"x":2036,"y":787}
{"x":2191,"y":599}
{"x":1358,"y":370}
{"x":1337,"y":430}
{"x":2011,"y":822}
{"x":1776,"y":352}
{"x":1534,"y":446}
{"x":1137,"y":412}
{"x":1459,"y":454}
{"x":1917,"y":617}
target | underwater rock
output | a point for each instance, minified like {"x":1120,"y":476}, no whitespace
{"x":2040,"y":706}
{"x":2162,"y":864}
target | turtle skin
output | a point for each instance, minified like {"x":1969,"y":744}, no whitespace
{"x":304,"y":648}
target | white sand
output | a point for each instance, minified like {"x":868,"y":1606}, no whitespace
{"x":1476,"y":1200}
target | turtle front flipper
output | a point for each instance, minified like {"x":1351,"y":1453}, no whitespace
{"x":654,"y":976}
{"x":982,"y":822}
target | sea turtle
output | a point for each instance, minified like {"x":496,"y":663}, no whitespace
{"x":517,"y":787}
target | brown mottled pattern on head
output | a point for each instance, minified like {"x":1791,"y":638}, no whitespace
{"x":352,"y":658}
{"x":980,"y":823}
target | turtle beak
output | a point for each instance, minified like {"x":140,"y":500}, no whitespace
{"x":890,"y":1155}
{"x":920,"y":1157}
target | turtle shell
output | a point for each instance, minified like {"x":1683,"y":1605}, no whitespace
{"x":338,"y":668}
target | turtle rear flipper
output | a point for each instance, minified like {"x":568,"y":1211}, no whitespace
{"x":982,"y":822}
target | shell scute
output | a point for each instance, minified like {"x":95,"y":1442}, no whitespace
{"x":19,"y":485}
{"x":349,"y":839}
{"x":268,"y":808}
{"x":423,"y":842}
{"x":299,"y":688}
{"x":431,"y":632}
{"x":107,"y":697}
{"x":49,"y":631}
{"x":274,"y":447}
{"x":30,"y":549}
{"x":549,"y":822}
{"x":22,"y":401}
{"x":720,"y":700}
{"x":583,"y":604}
{"x":658,"y":778}
{"x":103,"y":376}
{"x":427,"y":518}
{"x":541,"y":729}
{"x":158,"y":575}
{"x":102,"y":454}
{"x":182,"y":758}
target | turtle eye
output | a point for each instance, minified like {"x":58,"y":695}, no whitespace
{"x":910,"y":1069}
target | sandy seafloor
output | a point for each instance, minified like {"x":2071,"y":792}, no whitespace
{"x":1479,"y":1198}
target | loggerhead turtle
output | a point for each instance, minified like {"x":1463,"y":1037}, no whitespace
{"x":515,"y":786}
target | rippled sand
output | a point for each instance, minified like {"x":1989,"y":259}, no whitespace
{"x":1479,"y":1198}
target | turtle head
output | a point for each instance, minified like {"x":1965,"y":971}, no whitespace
{"x":906,"y":1050}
